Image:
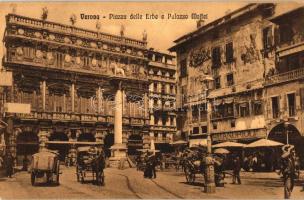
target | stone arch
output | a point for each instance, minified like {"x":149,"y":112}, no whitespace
{"x":86,"y":137}
{"x":135,"y":141}
{"x":294,"y":137}
{"x":27,"y":144}
{"x":61,"y":148}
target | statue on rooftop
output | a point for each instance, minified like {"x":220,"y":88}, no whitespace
{"x":44,"y":14}
{"x":73,"y":19}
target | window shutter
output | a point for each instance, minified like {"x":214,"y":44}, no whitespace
{"x":302,"y":97}
{"x":276,"y":35}
{"x":269,"y":108}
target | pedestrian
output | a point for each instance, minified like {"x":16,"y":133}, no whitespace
{"x":25,"y":163}
{"x":288,"y":170}
{"x":9,"y":163}
{"x":236,"y":170}
{"x":148,"y":170}
{"x":153,"y":165}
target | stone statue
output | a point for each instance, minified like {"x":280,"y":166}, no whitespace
{"x":73,"y":19}
{"x":117,"y":70}
{"x":145,"y":35}
{"x":142,"y":72}
{"x":45,"y":12}
{"x":122,"y":30}
{"x":14,"y":8}
{"x":98,"y":26}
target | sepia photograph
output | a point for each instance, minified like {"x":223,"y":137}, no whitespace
{"x":152,"y":100}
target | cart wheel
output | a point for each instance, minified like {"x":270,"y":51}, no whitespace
{"x":33,"y":178}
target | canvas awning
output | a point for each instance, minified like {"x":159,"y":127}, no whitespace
{"x":228,"y":144}
{"x":264,"y":143}
{"x":197,"y":142}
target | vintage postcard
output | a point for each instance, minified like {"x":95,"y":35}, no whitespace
{"x":151,"y":100}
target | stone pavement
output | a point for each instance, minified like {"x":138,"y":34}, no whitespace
{"x":130,"y":183}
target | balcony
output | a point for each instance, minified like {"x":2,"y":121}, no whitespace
{"x":162,"y":79}
{"x":162,"y":65}
{"x":162,"y":140}
{"x":80,"y":117}
{"x":162,"y":128}
{"x":67,"y":29}
{"x":218,"y":116}
{"x":285,"y":77}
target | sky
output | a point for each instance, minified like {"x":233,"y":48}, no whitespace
{"x":161,"y":32}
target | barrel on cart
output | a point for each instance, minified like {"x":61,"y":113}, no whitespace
{"x":45,"y":164}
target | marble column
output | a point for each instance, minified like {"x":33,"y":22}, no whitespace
{"x":119,"y":149}
{"x":43,"y":94}
{"x":73,"y":96}
{"x":118,"y":117}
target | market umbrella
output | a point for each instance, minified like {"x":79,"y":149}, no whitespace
{"x":221,"y":151}
{"x":264,"y":143}
{"x":228,"y":144}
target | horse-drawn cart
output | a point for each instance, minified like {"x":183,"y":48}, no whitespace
{"x":90,"y":164}
{"x":45,"y":164}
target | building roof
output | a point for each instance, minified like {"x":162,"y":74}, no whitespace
{"x":218,"y":22}
{"x":283,"y":16}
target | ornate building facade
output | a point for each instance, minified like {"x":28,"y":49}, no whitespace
{"x":71,"y":77}
{"x":256,"y":75}
{"x":162,"y":98}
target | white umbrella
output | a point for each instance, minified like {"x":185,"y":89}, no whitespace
{"x":264,"y":143}
{"x":221,"y":151}
{"x":228,"y":144}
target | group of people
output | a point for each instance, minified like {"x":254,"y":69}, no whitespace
{"x":147,"y":164}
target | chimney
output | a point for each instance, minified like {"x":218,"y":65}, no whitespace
{"x":200,"y":23}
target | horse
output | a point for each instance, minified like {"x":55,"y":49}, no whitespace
{"x":98,"y":165}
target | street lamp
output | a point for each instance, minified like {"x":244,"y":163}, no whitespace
{"x":209,"y":170}
{"x":286,"y":125}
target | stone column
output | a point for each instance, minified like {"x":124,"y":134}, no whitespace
{"x":118,"y":117}
{"x":43,"y":138}
{"x":99,"y":99}
{"x":118,"y":150}
{"x":73,"y":96}
{"x":43,"y":94}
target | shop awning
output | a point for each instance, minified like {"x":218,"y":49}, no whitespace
{"x":228,"y":144}
{"x":264,"y":143}
{"x":197,"y":142}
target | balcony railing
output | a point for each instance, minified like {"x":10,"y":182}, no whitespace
{"x":52,"y":26}
{"x":163,"y":128}
{"x":218,"y":116}
{"x":81,"y":117}
{"x":286,"y":76}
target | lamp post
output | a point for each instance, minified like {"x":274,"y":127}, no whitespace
{"x":209,"y":186}
{"x":286,"y":125}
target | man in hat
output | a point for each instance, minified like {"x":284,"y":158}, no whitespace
{"x":9,"y":163}
{"x":236,"y":170}
{"x":288,"y":169}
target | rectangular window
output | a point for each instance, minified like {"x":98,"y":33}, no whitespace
{"x":229,"y":53}
{"x":286,"y":33}
{"x":244,"y":109}
{"x":195,"y":130}
{"x":267,"y":37}
{"x":183,"y":68}
{"x":275,"y":107}
{"x":217,"y":82}
{"x":291,"y":104}
{"x":257,"y":108}
{"x":216,"y":57}
{"x":230,"y":80}
{"x":204,"y":129}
